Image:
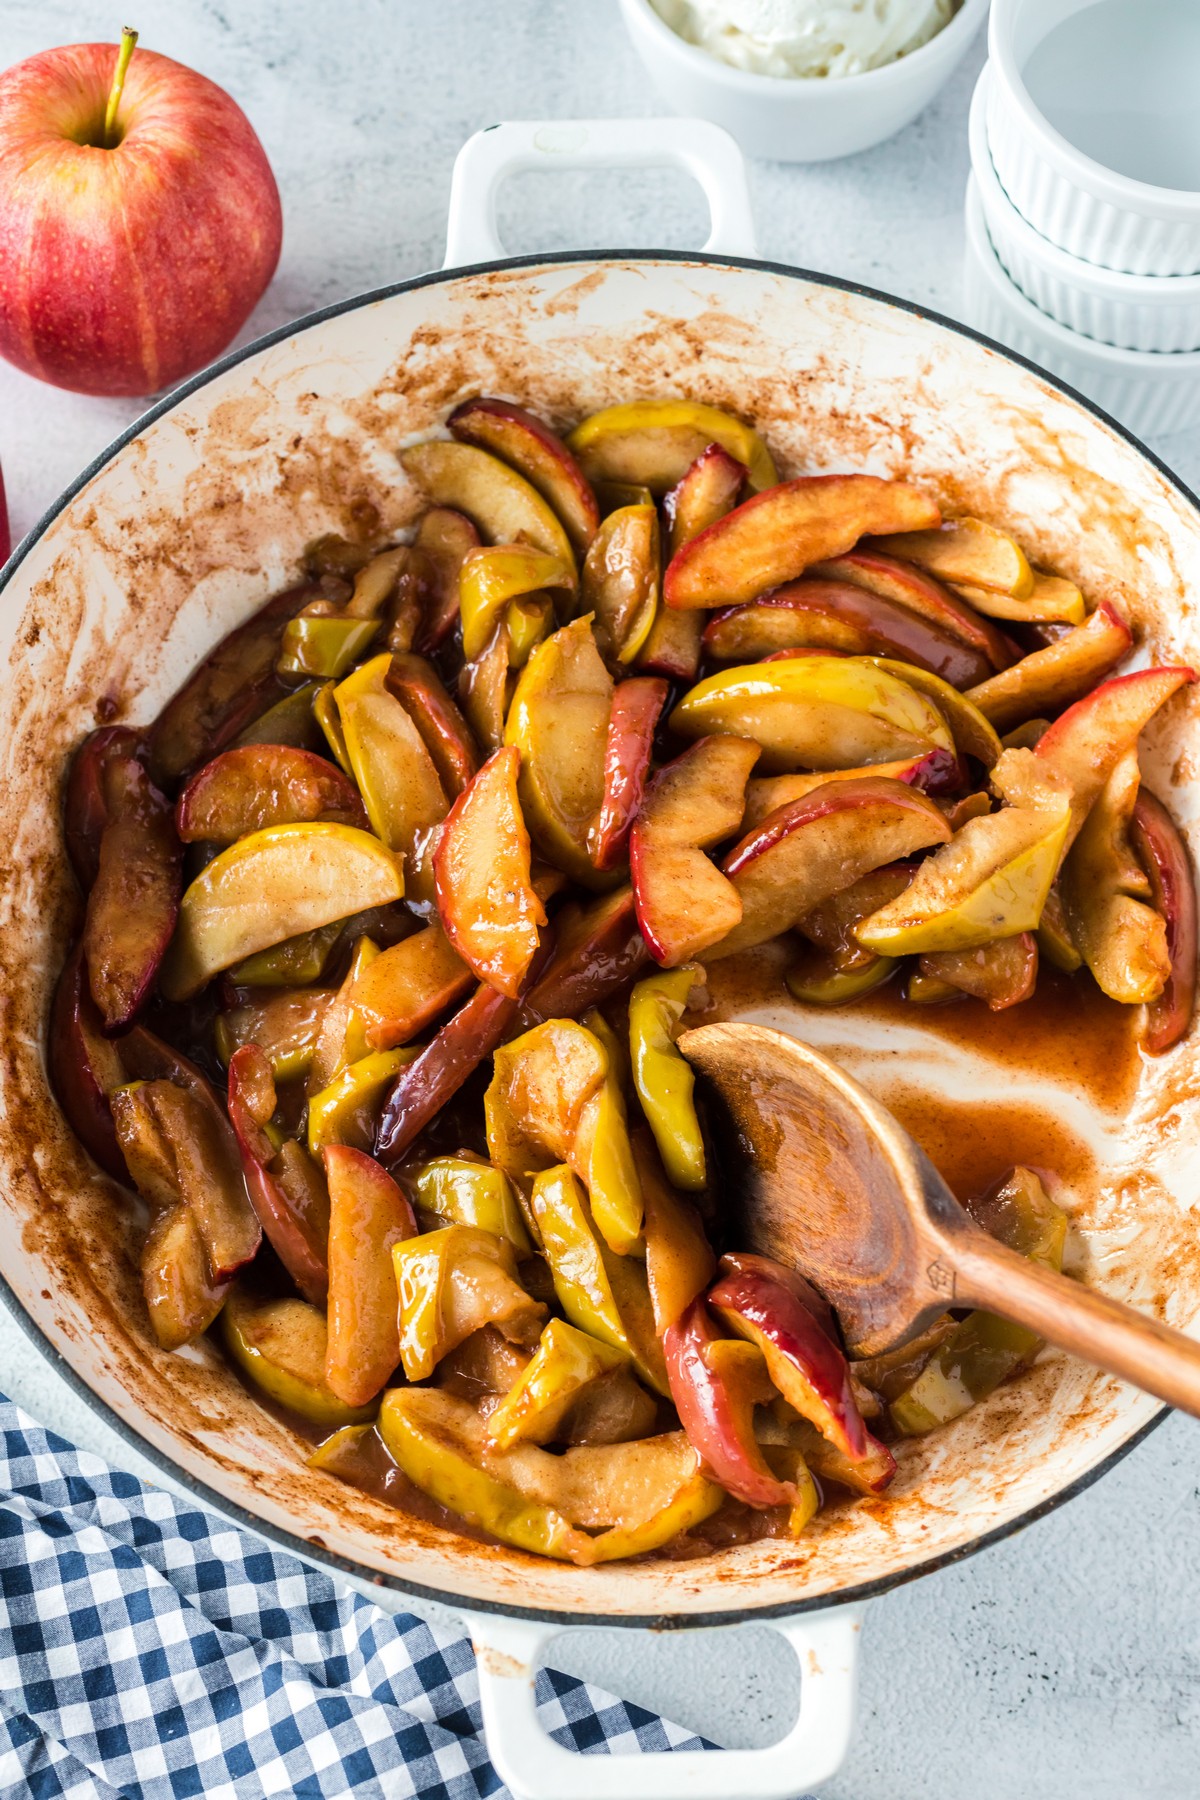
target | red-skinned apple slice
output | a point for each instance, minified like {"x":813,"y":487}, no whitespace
{"x":621,"y":580}
{"x":248,"y":789}
{"x":446,"y":735}
{"x":710,"y":488}
{"x":485,"y":898}
{"x":803,"y":1361}
{"x":367,"y":1215}
{"x":832,"y":924}
{"x":632,"y":722}
{"x":522,"y":440}
{"x":803,"y":853}
{"x":84,"y":1066}
{"x":84,"y":810}
{"x":775,"y":536}
{"x":836,"y":615}
{"x":598,"y":950}
{"x":406,"y":988}
{"x":1002,"y":973}
{"x":718,"y":1420}
{"x":815,"y":711}
{"x":300,"y":1237}
{"x":425,"y":1085}
{"x":1049,"y":679}
{"x":134,"y":901}
{"x":746,"y":1262}
{"x":1164,"y":856}
{"x":1086,"y":743}
{"x":232,"y":686}
{"x":683,"y":901}
{"x":903,"y":583}
{"x":936,"y":772}
{"x":969,"y":551}
{"x":1105,"y":890}
{"x":445,"y":538}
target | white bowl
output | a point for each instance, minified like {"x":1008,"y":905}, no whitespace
{"x":1136,"y":312}
{"x":1088,"y":210}
{"x":1147,"y":392}
{"x":799,"y":120}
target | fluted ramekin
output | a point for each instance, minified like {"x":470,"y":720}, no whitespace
{"x":1134,"y":312}
{"x":1149,"y":393}
{"x":1086,"y":209}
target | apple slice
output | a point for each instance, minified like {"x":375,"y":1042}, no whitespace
{"x":231,"y":686}
{"x":775,"y":536}
{"x":259,"y":785}
{"x":832,"y":925}
{"x":802,"y":1360}
{"x":708,"y":490}
{"x":85,"y":812}
{"x":271,"y":886}
{"x":815,"y":979}
{"x":491,"y":578}
{"x":530,"y":447}
{"x":367,"y":1215}
{"x":395,"y":773}
{"x":178,"y":1146}
{"x":84,"y":1066}
{"x":416,"y":684}
{"x":1003,"y":972}
{"x":652,"y":443}
{"x":424,"y":1085}
{"x":1105,"y":888}
{"x":836,"y":615}
{"x":134,"y":902}
{"x":905,"y":585}
{"x":990,"y":881}
{"x":293,"y":1213}
{"x":483,"y":689}
{"x":1087,"y":742}
{"x":679,"y":1262}
{"x":501,"y":503}
{"x":620,"y":580}
{"x":1051,"y":599}
{"x":281,"y":1347}
{"x":934,"y":772}
{"x":598,"y":950}
{"x":632,"y":722}
{"x":815,"y":712}
{"x":683,"y":902}
{"x":285,"y":1026}
{"x":445,"y":538}
{"x":1049,"y":679}
{"x":488,"y":907}
{"x":405,"y":988}
{"x":717,"y":1412}
{"x":182,"y":1299}
{"x":803,"y":853}
{"x":558,"y":720}
{"x":965,"y":551}
{"x":1164,"y":856}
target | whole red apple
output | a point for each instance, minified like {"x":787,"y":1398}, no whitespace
{"x":132,"y":247}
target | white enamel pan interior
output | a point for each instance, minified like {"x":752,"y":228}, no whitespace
{"x":203,"y":509}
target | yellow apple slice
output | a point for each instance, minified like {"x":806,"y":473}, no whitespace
{"x":972,"y":733}
{"x":1121,"y":938}
{"x":815,"y":712}
{"x":966,"y":552}
{"x":490,"y":578}
{"x":273,"y":885}
{"x":347,"y":1111}
{"x":558,"y":720}
{"x":1047,"y":680}
{"x":280,"y":1345}
{"x":653,"y":443}
{"x":396,"y":776}
{"x":505,"y":507}
{"x":621,"y":578}
{"x":1051,"y":599}
{"x":990,"y":881}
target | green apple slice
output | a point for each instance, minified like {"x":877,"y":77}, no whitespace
{"x":270,"y":886}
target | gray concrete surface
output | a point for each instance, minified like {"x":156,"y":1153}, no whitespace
{"x":1066,"y":1662}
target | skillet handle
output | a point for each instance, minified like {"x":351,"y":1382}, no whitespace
{"x":533,"y":1767}
{"x":701,"y":149}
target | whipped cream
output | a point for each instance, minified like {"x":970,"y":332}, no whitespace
{"x":807,"y":37}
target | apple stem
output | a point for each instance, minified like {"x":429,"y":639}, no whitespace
{"x":129,"y":39}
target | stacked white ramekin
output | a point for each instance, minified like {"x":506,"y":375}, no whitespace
{"x":1091,"y":274}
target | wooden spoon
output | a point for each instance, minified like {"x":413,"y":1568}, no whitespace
{"x":824,"y":1179}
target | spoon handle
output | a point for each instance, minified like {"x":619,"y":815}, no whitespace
{"x":1076,"y":1318}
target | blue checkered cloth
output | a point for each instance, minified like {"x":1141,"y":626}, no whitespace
{"x":149,"y":1650}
